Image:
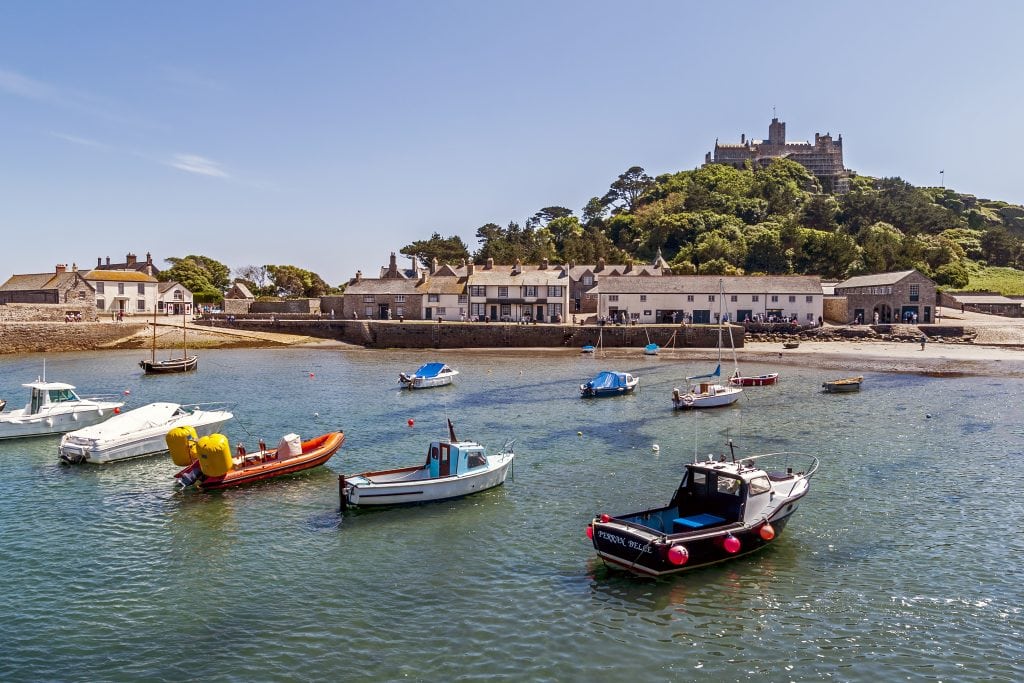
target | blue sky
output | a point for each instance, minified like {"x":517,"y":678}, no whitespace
{"x":328,"y":134}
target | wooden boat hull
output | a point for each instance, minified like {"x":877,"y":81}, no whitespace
{"x":755,"y":381}
{"x":843,"y":386}
{"x":315,"y":452}
{"x":790,"y":345}
{"x":172,"y":365}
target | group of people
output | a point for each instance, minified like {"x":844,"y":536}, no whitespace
{"x":75,"y":317}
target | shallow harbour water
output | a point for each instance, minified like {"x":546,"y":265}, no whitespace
{"x":902,"y":563}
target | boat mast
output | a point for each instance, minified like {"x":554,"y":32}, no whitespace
{"x":184,"y":348}
{"x":153,"y":354}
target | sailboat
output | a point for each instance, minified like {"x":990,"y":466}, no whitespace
{"x":590,"y":348}
{"x":651,"y":349}
{"x":186,"y":363}
{"x":705,"y":391}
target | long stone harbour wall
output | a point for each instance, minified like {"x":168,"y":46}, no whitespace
{"x":45,"y":312}
{"x":381,"y":334}
{"x":47,"y":337}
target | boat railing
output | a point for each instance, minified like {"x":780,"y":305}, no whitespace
{"x":801,"y":466}
{"x":208,"y":406}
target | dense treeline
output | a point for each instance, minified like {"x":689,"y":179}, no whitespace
{"x":775,"y":220}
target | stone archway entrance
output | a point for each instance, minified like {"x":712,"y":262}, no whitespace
{"x":885,"y":314}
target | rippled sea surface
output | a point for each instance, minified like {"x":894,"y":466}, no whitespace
{"x":904,"y":562}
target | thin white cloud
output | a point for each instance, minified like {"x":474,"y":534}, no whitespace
{"x":189,"y":79}
{"x":85,"y":142}
{"x":193,"y":163}
{"x":23,"y":86}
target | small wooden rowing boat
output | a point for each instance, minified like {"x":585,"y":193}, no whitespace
{"x":739,"y":380}
{"x":842,"y":386}
{"x":212,"y":466}
{"x":790,"y":344}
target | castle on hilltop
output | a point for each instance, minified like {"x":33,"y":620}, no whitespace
{"x":823,"y":158}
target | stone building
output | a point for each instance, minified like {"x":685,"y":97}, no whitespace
{"x":50,"y":296}
{"x":823,"y":158}
{"x":695,"y":298}
{"x":583,"y":297}
{"x":906,"y":296}
{"x":238,"y":299}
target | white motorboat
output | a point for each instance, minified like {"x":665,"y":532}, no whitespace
{"x":453,"y":469}
{"x":54,"y":408}
{"x":428,"y":375}
{"x":137,"y":432}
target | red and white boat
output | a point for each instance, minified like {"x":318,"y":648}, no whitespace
{"x":738,"y":380}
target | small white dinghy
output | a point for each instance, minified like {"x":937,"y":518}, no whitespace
{"x":453,"y":469}
{"x":137,"y":432}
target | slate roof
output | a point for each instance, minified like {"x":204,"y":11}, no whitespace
{"x":242,"y":290}
{"x":443,"y":284}
{"x":385,"y":286}
{"x":708,"y":284}
{"x":875,"y":280}
{"x":39,"y":281}
{"x":529,"y":275}
{"x":167,"y":286}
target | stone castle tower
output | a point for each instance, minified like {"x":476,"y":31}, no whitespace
{"x":823,"y":158}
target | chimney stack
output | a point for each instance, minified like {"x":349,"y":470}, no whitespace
{"x":517,"y":268}
{"x":600,"y":265}
{"x":99,"y":261}
{"x":490,"y":264}
{"x":130,"y":259}
{"x":470,"y":268}
{"x":108,"y":260}
{"x":149,"y":258}
{"x":74,"y":267}
{"x":433,"y":265}
{"x":61,"y":268}
{"x":359,"y":276}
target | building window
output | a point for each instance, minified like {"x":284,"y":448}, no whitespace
{"x":368,"y":311}
{"x":400,"y":311}
{"x":502,"y":292}
{"x":756,"y":297}
{"x":810,"y":317}
{"x":643,"y":297}
{"x":588,"y":280}
{"x":179,"y":295}
{"x":775,"y":298}
{"x":81,"y":295}
{"x":99,"y":287}
{"x":120,"y":288}
{"x":810,"y":299}
{"x":733,"y":298}
{"x":711,"y":298}
{"x":477,"y":310}
{"x":647,"y":313}
{"x":506,"y":309}
{"x":554,"y":309}
{"x":400,"y":298}
{"x":792,"y":299}
{"x":142,"y":289}
{"x":613,"y":297}
{"x":441,"y":310}
{"x":531,"y":290}
{"x":689,"y":298}
{"x":140,"y":305}
{"x":555,"y":291}
{"x":915,"y":292}
{"x":433,"y":298}
{"x":477,"y":290}
{"x":100,"y":304}
{"x":367,"y":298}
{"x":463,"y":299}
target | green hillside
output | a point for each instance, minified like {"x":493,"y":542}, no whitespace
{"x":720,"y":220}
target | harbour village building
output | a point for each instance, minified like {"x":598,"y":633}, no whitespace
{"x":906,"y":296}
{"x":582,"y":280}
{"x":48,"y":296}
{"x":694,"y":299}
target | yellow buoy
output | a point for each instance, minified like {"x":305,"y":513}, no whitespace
{"x":215,"y":455}
{"x":181,"y":442}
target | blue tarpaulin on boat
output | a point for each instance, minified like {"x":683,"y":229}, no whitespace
{"x":430,"y":369}
{"x":609,"y":380}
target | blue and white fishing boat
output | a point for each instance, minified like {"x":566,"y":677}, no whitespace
{"x":722,"y":509}
{"x":609,"y":383}
{"x":428,"y":375}
{"x":453,"y":469}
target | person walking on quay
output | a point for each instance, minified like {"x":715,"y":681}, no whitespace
{"x":924,"y":339}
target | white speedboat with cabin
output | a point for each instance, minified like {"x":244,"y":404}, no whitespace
{"x":453,"y":469}
{"x":428,"y":375}
{"x":137,"y":432}
{"x":54,"y":408}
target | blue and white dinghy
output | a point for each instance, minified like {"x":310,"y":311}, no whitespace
{"x":609,"y":383}
{"x":428,"y":375}
{"x":453,"y":469}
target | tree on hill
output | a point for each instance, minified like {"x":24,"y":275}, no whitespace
{"x":627,"y":189}
{"x":444,"y":249}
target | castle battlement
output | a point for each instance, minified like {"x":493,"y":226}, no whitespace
{"x":823,"y":157}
